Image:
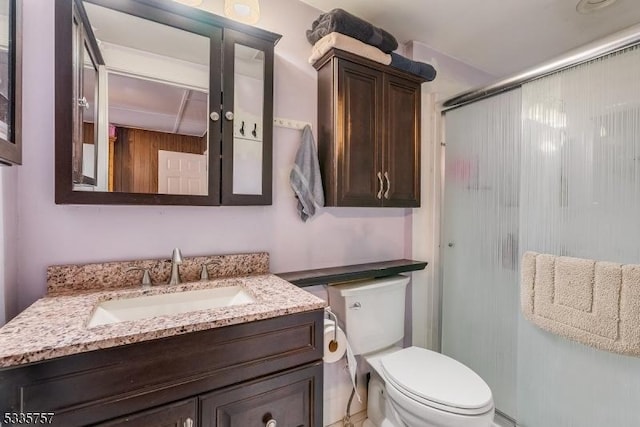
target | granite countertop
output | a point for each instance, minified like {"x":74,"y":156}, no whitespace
{"x":56,"y":326}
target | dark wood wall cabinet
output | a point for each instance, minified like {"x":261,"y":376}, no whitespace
{"x":369,"y":132}
{"x":246,"y":375}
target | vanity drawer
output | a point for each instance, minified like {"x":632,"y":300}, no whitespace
{"x":291,"y":399}
{"x":100,"y":385}
{"x":179,"y":414}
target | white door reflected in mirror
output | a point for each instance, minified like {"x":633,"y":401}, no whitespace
{"x":182,"y":173}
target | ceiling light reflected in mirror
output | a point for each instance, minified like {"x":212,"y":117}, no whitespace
{"x":246,"y":11}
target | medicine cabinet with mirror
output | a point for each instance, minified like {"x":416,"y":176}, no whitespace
{"x":10,"y":82}
{"x":160,"y":103}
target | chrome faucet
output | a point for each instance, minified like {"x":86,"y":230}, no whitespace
{"x":176,"y":260}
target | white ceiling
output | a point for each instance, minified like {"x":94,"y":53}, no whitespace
{"x":500,"y":37}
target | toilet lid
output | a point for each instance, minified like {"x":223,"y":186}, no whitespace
{"x":434,"y":377}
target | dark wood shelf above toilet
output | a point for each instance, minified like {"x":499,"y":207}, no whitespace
{"x":322,"y":276}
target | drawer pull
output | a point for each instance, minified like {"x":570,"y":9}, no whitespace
{"x":188,"y":423}
{"x":379,"y":195}
{"x":271,"y":423}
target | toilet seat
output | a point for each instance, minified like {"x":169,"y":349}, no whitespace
{"x":437,"y":381}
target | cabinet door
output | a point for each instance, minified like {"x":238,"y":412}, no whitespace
{"x":179,"y":414}
{"x":293,"y":399}
{"x":359,"y":135}
{"x":401,"y":165}
{"x":247,"y":159}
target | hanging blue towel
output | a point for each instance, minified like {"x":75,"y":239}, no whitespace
{"x":305,"y":178}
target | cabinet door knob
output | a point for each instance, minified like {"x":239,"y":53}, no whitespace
{"x":228,"y":115}
{"x":268,"y":420}
{"x":187,"y":423}
{"x":379,"y":195}
{"x":214,"y":116}
{"x":386,"y":193}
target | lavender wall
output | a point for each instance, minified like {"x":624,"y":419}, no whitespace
{"x":51,"y":234}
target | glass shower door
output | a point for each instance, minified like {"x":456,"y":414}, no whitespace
{"x":580,"y":197}
{"x":480,"y":238}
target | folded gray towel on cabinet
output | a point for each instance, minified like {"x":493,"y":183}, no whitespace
{"x":341,"y":21}
{"x":421,"y":69}
{"x":305,"y":178}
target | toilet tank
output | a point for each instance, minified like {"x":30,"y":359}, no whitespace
{"x":371,"y":312}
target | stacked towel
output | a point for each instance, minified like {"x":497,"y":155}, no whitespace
{"x":341,"y":30}
{"x":349,"y":44}
{"x":341,"y":21}
{"x":421,"y":69}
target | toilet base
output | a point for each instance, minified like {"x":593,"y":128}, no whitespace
{"x":381,"y":413}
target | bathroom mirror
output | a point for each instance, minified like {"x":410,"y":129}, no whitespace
{"x":10,"y":82}
{"x":248,"y":122}
{"x":148,"y":122}
{"x":247,"y":177}
{"x":141,"y":76}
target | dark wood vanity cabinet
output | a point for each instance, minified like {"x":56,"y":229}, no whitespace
{"x":369,"y":132}
{"x":242,"y":375}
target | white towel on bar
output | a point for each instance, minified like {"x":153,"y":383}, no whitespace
{"x":596,"y":303}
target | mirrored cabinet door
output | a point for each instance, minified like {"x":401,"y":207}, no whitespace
{"x":248,"y":120}
{"x":10,"y":82}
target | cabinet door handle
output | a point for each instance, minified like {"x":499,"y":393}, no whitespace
{"x":187,"y":423}
{"x":214,"y":116}
{"x":379,"y":195}
{"x":386,"y":193}
{"x":228,"y":115}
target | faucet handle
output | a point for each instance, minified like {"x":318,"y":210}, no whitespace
{"x":176,"y":256}
{"x":204,"y":273}
{"x":146,"y":277}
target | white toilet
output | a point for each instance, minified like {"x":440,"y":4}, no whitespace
{"x":413,"y":386}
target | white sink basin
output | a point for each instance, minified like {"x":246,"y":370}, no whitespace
{"x":120,"y":310}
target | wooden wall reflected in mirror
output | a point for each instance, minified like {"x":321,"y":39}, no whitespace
{"x":10,"y":82}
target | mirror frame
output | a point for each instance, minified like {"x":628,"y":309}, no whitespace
{"x":165,"y":12}
{"x":11,"y":151}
